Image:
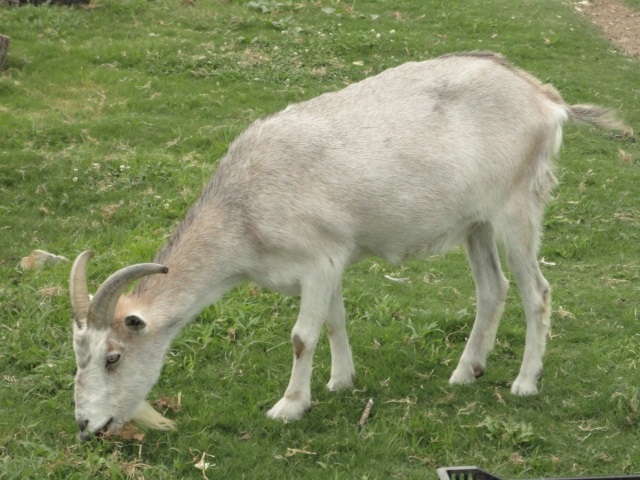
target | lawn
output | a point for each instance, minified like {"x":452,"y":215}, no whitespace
{"x":113,"y":116}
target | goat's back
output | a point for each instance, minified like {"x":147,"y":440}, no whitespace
{"x":399,"y":163}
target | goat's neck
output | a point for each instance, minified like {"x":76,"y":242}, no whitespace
{"x":202,"y":257}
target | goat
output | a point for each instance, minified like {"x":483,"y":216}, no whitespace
{"x":413,"y":161}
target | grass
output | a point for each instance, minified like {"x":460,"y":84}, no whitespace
{"x":633,"y":3}
{"x":111,"y":119}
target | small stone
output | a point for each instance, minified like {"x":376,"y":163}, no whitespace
{"x":39,"y":258}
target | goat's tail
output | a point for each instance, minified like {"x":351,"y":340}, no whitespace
{"x":600,"y":117}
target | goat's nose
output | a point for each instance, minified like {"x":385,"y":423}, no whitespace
{"x":82,"y":424}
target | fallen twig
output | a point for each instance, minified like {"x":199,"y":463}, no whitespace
{"x":366,"y":413}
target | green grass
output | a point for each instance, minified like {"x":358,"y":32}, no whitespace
{"x":111,"y":119}
{"x":633,"y":3}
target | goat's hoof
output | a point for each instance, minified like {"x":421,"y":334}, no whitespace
{"x":523,"y":388}
{"x":463,"y":375}
{"x":341,"y":383}
{"x":288,"y":410}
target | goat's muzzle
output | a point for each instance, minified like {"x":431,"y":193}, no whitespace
{"x":86,"y":435}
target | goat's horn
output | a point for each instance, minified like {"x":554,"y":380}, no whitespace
{"x":104,"y":302}
{"x":78,"y":287}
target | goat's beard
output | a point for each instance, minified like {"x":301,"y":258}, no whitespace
{"x":147,"y":416}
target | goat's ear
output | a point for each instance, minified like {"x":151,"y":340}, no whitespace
{"x":135,"y":323}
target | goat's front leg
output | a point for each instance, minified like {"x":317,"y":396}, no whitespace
{"x":314,"y":308}
{"x":342,"y":370}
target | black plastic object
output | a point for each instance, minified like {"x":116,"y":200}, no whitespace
{"x":475,"y":473}
{"x":465,"y":473}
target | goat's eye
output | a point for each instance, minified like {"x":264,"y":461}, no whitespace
{"x":112,"y":358}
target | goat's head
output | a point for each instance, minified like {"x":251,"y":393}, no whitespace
{"x":119,"y":357}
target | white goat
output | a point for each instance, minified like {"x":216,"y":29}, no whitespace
{"x":413,"y":161}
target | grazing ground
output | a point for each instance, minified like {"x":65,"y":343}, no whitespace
{"x":113,"y":115}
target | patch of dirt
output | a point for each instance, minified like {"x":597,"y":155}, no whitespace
{"x":618,"y":22}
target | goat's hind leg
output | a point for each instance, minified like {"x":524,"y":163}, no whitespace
{"x":491,"y":292}
{"x":521,"y":247}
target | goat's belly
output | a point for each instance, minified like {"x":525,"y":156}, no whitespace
{"x":285,"y":286}
{"x":399,"y":249}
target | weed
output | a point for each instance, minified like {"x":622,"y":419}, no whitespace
{"x":510,"y":432}
{"x":627,"y":405}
